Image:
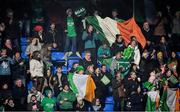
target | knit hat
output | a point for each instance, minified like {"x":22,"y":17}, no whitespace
{"x":38,"y":28}
{"x":79,"y":68}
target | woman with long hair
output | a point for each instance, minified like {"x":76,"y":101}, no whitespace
{"x":37,"y":70}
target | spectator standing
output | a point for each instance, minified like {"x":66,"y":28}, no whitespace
{"x":37,"y":70}
{"x":34,"y":104}
{"x":53,"y":36}
{"x":66,"y":99}
{"x":118,"y":45}
{"x":12,"y":28}
{"x":19,"y":68}
{"x":159,"y":27}
{"x":58,"y":80}
{"x":118,"y":91}
{"x":48,"y":103}
{"x":5,"y":69}
{"x":71,"y":34}
{"x":9,"y":48}
{"x":89,"y":37}
{"x":33,"y":46}
{"x":87,"y":60}
{"x":40,"y":34}
{"x":19,"y":94}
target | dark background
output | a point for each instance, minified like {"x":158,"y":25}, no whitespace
{"x":55,"y":9}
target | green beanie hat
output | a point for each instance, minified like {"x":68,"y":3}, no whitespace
{"x":79,"y":68}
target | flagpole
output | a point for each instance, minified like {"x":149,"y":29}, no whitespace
{"x":133,"y":8}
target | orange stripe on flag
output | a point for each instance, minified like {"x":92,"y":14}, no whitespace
{"x":177,"y":100}
{"x":130,"y":28}
{"x":90,"y":89}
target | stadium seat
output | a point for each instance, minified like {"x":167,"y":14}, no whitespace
{"x":23,"y":40}
{"x":23,"y":48}
{"x":70,"y":63}
{"x":64,"y":69}
{"x":109,"y":99}
{"x":178,"y":54}
{"x":109,"y":104}
{"x":83,"y":55}
{"x":57,"y":56}
{"x":73,"y":57}
{"x":29,"y":85}
{"x":24,"y":56}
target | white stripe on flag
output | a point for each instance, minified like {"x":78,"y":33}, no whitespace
{"x":109,"y":28}
{"x":171,"y":99}
{"x":80,"y":81}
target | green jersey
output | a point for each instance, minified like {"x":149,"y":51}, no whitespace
{"x":71,"y":31}
{"x":48,"y":104}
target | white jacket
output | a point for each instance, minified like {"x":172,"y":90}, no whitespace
{"x":137,"y":56}
{"x":36,"y":68}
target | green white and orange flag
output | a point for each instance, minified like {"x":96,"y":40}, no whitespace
{"x":82,"y":85}
{"x":108,"y":28}
{"x":170,"y":100}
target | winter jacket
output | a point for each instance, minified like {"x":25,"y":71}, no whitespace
{"x":118,"y":89}
{"x":117,"y":47}
{"x":36,"y":68}
{"x":89,"y":40}
{"x":31,"y":48}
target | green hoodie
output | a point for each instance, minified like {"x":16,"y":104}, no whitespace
{"x":48,"y":104}
{"x":70,"y":96}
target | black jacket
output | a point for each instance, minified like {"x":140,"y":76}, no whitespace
{"x":117,"y":47}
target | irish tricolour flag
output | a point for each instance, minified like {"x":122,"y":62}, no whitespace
{"x":83,"y":86}
{"x":108,"y":28}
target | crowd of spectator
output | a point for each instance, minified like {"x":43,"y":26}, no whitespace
{"x":126,"y":72}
